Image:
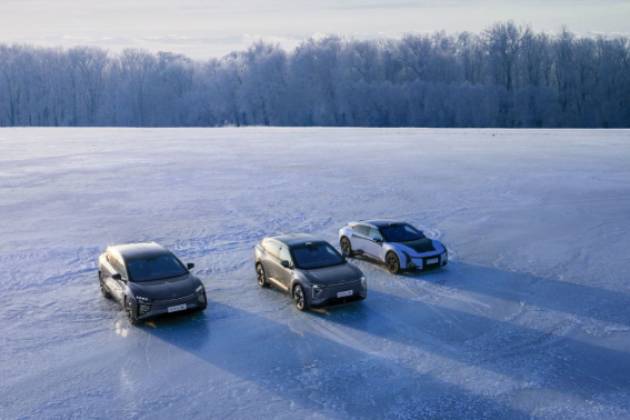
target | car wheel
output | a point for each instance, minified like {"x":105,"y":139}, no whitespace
{"x":346,"y":247}
{"x":103,"y":288}
{"x":261,"y":276}
{"x":132,"y":313}
{"x":299,"y":297}
{"x":392,"y":262}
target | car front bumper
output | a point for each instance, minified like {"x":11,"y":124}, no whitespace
{"x":338,"y":293}
{"x":168,"y":306}
{"x":427,"y":261}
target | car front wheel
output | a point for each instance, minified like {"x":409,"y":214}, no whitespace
{"x":261,"y":276}
{"x":346,"y":247}
{"x":392,"y":262}
{"x":132,"y":312}
{"x":103,"y":288}
{"x":299,"y":297}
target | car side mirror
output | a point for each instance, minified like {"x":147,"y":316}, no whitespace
{"x":286,"y":264}
{"x":190,"y":266}
{"x":117,"y":276}
{"x":377,"y":240}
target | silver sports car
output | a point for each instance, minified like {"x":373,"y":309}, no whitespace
{"x":398,"y":245}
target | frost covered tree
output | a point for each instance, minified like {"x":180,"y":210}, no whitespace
{"x":506,"y":76}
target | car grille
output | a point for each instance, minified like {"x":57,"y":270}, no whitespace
{"x":174,"y":301}
{"x":343,"y":286}
{"x":340,"y":301}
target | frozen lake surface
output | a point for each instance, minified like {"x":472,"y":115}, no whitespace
{"x":531,"y":318}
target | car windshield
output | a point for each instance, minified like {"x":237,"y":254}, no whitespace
{"x":401,"y":232}
{"x":154,"y":267}
{"x":312,"y":255}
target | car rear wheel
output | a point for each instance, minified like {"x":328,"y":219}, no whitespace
{"x":261,"y":276}
{"x":103,"y":288}
{"x":346,"y":247}
{"x":132,"y":312}
{"x":299,"y":297}
{"x":392,"y":262}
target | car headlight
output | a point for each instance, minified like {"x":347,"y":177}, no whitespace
{"x":143,"y":308}
{"x":201,"y":295}
{"x":317,"y":289}
{"x":363,"y":282}
{"x":142,"y":299}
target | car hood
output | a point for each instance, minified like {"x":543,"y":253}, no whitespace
{"x":171,"y":288}
{"x":336,"y":274}
{"x":420,"y":246}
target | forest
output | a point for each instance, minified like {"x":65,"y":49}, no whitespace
{"x":505,"y":76}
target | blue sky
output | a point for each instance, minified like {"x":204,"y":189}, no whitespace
{"x":212,"y":28}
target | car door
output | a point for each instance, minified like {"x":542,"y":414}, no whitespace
{"x":272,"y":263}
{"x":116,"y":287}
{"x":359,"y":238}
{"x":374,"y":243}
{"x":267,"y":258}
{"x":285,"y":273}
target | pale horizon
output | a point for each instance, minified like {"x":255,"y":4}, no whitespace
{"x":212,"y":29}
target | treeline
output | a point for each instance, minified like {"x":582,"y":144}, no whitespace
{"x":507,"y":76}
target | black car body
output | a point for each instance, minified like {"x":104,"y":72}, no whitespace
{"x":148,"y":280}
{"x":311,"y":270}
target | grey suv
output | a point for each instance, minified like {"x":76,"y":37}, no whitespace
{"x":311,"y":270}
{"x":148,"y":280}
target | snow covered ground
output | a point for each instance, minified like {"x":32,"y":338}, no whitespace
{"x":531,"y":318}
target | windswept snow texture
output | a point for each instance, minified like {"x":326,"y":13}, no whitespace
{"x":531,"y":318}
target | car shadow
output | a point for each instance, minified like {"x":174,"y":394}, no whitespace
{"x":538,"y":354}
{"x":191,"y":329}
{"x":545,"y":357}
{"x":317,"y":374}
{"x":368,"y":259}
{"x":563,"y":296}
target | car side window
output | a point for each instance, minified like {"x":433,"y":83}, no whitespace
{"x":361,"y":230}
{"x":284,"y":254}
{"x":117,"y":265}
{"x":272,"y":247}
{"x":375,"y":234}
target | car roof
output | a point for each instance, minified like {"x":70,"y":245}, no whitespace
{"x":378,"y":222}
{"x":291,"y":239}
{"x":138,"y":249}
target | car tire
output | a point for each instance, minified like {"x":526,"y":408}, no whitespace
{"x":299,"y":298}
{"x":346,"y":247}
{"x":132,"y":313}
{"x":392,"y":262}
{"x":261,"y":276}
{"x":103,"y":288}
